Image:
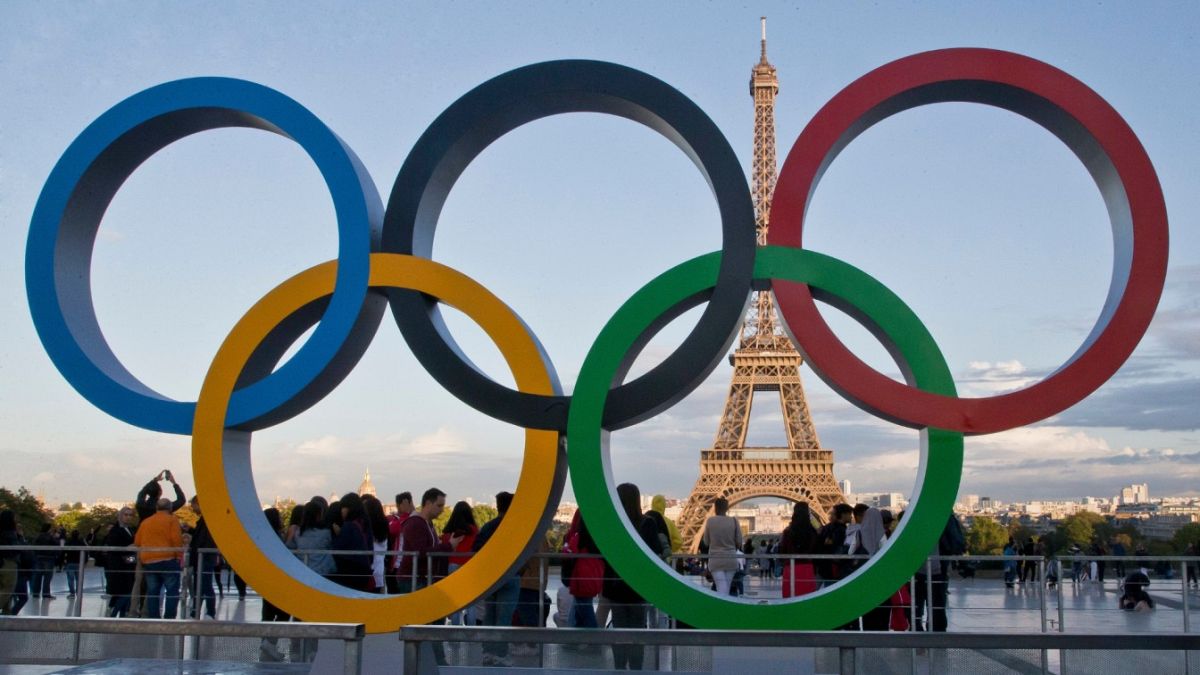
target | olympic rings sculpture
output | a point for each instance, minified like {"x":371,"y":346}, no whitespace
{"x":383,"y":260}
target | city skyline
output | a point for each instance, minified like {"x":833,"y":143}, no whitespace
{"x":565,"y":218}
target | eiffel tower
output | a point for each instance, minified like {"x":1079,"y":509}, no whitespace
{"x":765,"y":360}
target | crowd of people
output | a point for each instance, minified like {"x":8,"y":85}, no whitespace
{"x":151,"y":561}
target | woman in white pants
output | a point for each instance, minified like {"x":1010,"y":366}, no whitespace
{"x":723,"y":536}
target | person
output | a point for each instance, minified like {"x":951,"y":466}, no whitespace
{"x":1101,"y":552}
{"x":499,"y":606}
{"x":831,"y":540}
{"x":351,"y":536}
{"x":160,"y":568}
{"x":118,"y":566}
{"x":1030,"y":565}
{"x":1076,"y":563}
{"x":311,"y":544}
{"x":404,"y":509}
{"x":628,"y":607}
{"x":659,"y":505}
{"x":20,"y":592}
{"x":315,"y":536}
{"x":582,"y":591}
{"x":202,"y":557}
{"x":268,"y":647}
{"x":532,"y":603}
{"x":869,"y":539}
{"x":72,"y":561}
{"x":1135,"y":597}
{"x":9,"y":557}
{"x":723,"y":537}
{"x":933,"y":579}
{"x":799,"y":539}
{"x":461,"y":521}
{"x":418,"y":539}
{"x":379,"y":542}
{"x":43,"y":563}
{"x":1118,"y":549}
{"x":1010,"y":566}
{"x":148,"y":496}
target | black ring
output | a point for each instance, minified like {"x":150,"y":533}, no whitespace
{"x":506,"y":102}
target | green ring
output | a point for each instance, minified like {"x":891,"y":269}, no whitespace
{"x":588,"y":455}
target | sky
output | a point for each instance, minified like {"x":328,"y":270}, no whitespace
{"x":985,"y":224}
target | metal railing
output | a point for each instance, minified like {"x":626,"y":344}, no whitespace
{"x":848,"y":644}
{"x":351,"y":635}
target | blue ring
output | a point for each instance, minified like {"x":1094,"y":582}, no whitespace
{"x":82,"y":184}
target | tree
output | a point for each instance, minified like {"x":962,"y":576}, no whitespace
{"x":1185,"y":536}
{"x":30,"y":512}
{"x":1081,"y":528}
{"x":986,"y":537}
{"x":98,"y":518}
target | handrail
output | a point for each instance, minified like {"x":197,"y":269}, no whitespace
{"x":281,"y":629}
{"x":837,"y":638}
{"x":846,"y":642}
{"x":351,"y":634}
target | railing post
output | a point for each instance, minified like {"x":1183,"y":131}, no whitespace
{"x":1059,"y":585}
{"x":543,"y":573}
{"x":929,"y":593}
{"x":79,"y":582}
{"x":1183,"y":585}
{"x":412,"y":657}
{"x":1042,"y":591}
{"x":352,"y":657}
{"x":846,"y":660}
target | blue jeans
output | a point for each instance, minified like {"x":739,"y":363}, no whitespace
{"x":72,"y":573}
{"x":585,"y":613}
{"x":162,"y":575}
{"x":499,"y":612}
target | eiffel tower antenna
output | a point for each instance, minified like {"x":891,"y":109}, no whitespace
{"x":765,"y":360}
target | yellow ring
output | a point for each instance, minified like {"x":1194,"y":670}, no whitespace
{"x":221,"y":456}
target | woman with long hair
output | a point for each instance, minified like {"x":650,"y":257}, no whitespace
{"x":799,"y":539}
{"x":314,"y":540}
{"x":461,"y":522}
{"x":351,"y":540}
{"x":379,"y":541}
{"x":269,"y":647}
{"x":628,"y":607}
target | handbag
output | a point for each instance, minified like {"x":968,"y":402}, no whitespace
{"x":587,"y":579}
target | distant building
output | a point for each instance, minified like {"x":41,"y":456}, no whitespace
{"x":366,"y":487}
{"x":1138,"y":493}
{"x":844,"y":486}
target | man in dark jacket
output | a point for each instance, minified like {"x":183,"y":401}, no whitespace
{"x":119,"y":566}
{"x":203,"y":562}
{"x":147,"y":498}
{"x":831,"y":539}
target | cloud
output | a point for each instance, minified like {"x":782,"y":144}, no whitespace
{"x":985,"y":378}
{"x":441,"y":442}
{"x":1173,"y":405}
{"x":325,"y":446}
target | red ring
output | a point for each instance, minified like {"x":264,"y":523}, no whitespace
{"x":1068,"y":109}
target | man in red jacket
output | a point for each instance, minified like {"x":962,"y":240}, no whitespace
{"x":404,"y":509}
{"x":418,"y":538}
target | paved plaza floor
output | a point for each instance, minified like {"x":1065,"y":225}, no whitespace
{"x":975,"y":605}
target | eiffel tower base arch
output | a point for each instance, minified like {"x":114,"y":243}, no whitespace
{"x":749,"y":473}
